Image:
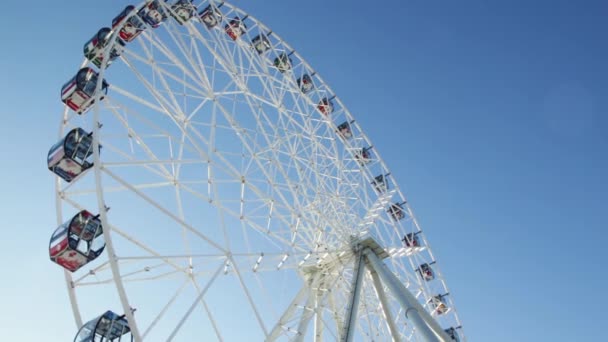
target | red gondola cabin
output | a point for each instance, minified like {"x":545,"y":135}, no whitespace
{"x":72,"y":155}
{"x":77,"y":242}
{"x":79,"y":92}
{"x":133,"y":25}
{"x":94,"y":49}
{"x":210,"y":16}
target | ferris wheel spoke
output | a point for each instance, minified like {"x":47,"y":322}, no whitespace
{"x":160,"y":47}
{"x":249,"y":298}
{"x":166,"y":307}
{"x":195,"y":303}
{"x":163,"y":210}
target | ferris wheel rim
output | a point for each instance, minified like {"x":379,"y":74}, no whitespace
{"x":98,"y":163}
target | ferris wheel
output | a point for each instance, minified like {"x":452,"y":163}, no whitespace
{"x":211,"y":186}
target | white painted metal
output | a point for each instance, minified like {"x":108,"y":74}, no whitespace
{"x":353,"y":306}
{"x":386,"y":310}
{"x":299,"y":192}
{"x":427,"y":327}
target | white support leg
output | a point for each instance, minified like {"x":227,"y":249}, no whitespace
{"x":388,"y":315}
{"x":351,"y":312}
{"x":426,"y":326}
{"x":318,"y":318}
{"x":288,"y":314}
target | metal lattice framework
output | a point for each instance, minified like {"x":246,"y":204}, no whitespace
{"x":230,"y":202}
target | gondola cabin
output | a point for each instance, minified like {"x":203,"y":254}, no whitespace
{"x":261,"y":43}
{"x":153,"y":13}
{"x":437,"y":305}
{"x":182,"y":11}
{"x":305,"y":84}
{"x":325,"y":106}
{"x":210,"y":16}
{"x":426,"y":272}
{"x":452,"y":334}
{"x":109,"y":327}
{"x":79,"y":92}
{"x":363,"y":156}
{"x":94,"y":49}
{"x":344,"y":130}
{"x":282,"y":62}
{"x":77,"y":242}
{"x":379,"y":183}
{"x":396,"y":211}
{"x":72,"y":155}
{"x":133,"y":25}
{"x":411,"y":240}
{"x":235,"y":28}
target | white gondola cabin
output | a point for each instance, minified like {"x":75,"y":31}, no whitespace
{"x":396,"y":211}
{"x":79,"y":92}
{"x":437,"y":305}
{"x":305,"y":83}
{"x":426,"y":272}
{"x":452,"y":334}
{"x":94,"y":49}
{"x":133,"y":25}
{"x":261,"y":43}
{"x":109,"y":327}
{"x":210,"y":16}
{"x":183,"y":11}
{"x":411,"y":240}
{"x":282,"y":62}
{"x":325,"y":106}
{"x":77,"y":242}
{"x":380,"y":184}
{"x":153,"y":13}
{"x":235,"y":28}
{"x":72,"y":155}
{"x":344,"y":130}
{"x":363,"y":156}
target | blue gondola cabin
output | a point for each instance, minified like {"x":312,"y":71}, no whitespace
{"x":109,"y":327}
{"x":325,"y":106}
{"x":153,"y":13}
{"x":183,"y":10}
{"x":235,"y":28}
{"x":79,"y":92}
{"x":77,"y":242}
{"x":305,"y":84}
{"x":94,"y":49}
{"x":210,"y":16}
{"x":72,"y":155}
{"x":133,"y":25}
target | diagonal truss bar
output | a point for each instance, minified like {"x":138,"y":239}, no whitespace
{"x":195,"y":303}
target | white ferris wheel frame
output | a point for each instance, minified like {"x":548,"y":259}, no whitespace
{"x":362,"y":257}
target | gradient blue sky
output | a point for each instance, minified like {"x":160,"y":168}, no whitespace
{"x":493,"y":115}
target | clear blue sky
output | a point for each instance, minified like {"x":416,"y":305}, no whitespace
{"x":493,"y":116}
